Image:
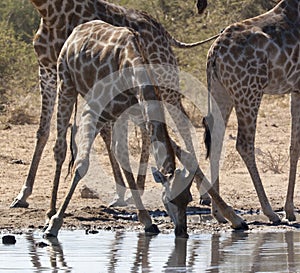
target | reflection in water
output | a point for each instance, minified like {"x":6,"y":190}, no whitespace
{"x":133,"y":252}
{"x":56,"y":255}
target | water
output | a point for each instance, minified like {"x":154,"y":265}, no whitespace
{"x":74,"y":251}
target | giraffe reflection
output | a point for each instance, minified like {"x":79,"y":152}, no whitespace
{"x":54,"y":248}
{"x":256,"y":251}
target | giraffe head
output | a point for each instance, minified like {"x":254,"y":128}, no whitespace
{"x":176,"y":197}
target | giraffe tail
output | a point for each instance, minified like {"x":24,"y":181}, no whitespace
{"x":179,"y":44}
{"x":207,"y":123}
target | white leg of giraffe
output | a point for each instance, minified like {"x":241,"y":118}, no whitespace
{"x":119,"y":199}
{"x":245,"y":147}
{"x":180,"y":117}
{"x":87,"y":133}
{"x":294,"y":155}
{"x":221,"y":107}
{"x":121,"y":151}
{"x":145,"y":153}
{"x":48,"y":92}
{"x":67,"y":99}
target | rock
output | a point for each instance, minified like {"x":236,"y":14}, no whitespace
{"x":9,"y":240}
{"x":88,"y":193}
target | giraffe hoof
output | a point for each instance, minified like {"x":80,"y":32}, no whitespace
{"x":275,"y":219}
{"x":242,"y":226}
{"x":277,"y":222}
{"x":152,"y":230}
{"x":291,"y":218}
{"x":205,"y":201}
{"x":19,"y":204}
{"x":118,"y":202}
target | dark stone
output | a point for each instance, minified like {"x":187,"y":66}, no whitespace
{"x":8,"y":240}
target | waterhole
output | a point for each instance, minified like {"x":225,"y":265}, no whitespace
{"x":108,"y":251}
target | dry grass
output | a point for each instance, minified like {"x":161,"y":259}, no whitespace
{"x":272,"y":161}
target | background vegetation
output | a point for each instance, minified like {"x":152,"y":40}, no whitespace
{"x":19,"y":93}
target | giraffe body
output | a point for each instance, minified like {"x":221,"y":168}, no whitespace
{"x":255,"y":57}
{"x":106,"y":66}
{"x":59,"y":18}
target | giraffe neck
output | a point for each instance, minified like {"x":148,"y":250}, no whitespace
{"x":284,"y":15}
{"x":43,"y":7}
{"x":66,"y":13}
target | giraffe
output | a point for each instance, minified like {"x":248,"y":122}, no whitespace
{"x":58,"y":19}
{"x":251,"y":58}
{"x":107,"y":66}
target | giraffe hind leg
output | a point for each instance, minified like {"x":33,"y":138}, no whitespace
{"x":122,"y":153}
{"x":245,"y":147}
{"x":215,"y":125}
{"x":119,"y":199}
{"x":294,"y":155}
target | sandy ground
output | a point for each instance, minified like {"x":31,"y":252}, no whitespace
{"x":272,"y":143}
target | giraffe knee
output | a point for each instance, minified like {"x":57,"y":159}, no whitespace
{"x":243,"y":147}
{"x":81,"y":166}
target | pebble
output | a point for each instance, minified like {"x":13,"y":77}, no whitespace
{"x":9,"y":240}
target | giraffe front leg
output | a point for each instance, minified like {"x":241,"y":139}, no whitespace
{"x":294,"y":155}
{"x":66,"y":101}
{"x":87,"y":134}
{"x":56,"y":220}
{"x":48,"y":92}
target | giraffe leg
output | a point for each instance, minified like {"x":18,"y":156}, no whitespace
{"x":48,"y":91}
{"x":294,"y":155}
{"x":204,"y":196}
{"x":122,"y":153}
{"x":180,"y":118}
{"x":247,"y":117}
{"x":221,"y":108}
{"x":67,"y":99}
{"x":87,"y":131}
{"x":141,"y":177}
{"x":119,"y":199}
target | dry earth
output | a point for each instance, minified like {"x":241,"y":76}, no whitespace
{"x":272,"y":144}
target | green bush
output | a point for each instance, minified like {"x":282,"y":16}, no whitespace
{"x":21,"y":16}
{"x":18,"y":77}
